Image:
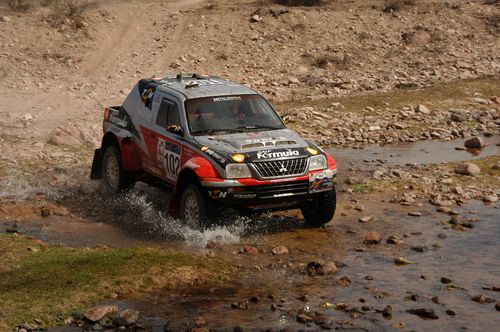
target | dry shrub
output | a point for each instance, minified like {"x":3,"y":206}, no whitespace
{"x":70,"y":8}
{"x":20,"y":5}
{"x":339,"y":62}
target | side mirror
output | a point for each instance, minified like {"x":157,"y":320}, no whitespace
{"x":175,"y":129}
{"x":286,"y":118}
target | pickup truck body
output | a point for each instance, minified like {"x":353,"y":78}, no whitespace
{"x":221,"y":140}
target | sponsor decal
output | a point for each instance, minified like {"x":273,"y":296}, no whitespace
{"x":203,"y":82}
{"x":228,"y":98}
{"x":249,"y":195}
{"x":169,"y":156}
{"x":319,"y":182}
{"x":216,"y":194}
{"x":266,"y":154}
{"x":220,"y":159}
{"x":118,"y":119}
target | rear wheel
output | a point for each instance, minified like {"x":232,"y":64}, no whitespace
{"x":115,"y":178}
{"x":194,"y":207}
{"x":322,"y":208}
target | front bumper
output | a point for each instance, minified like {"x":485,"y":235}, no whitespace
{"x":261,"y":193}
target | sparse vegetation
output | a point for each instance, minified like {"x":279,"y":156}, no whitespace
{"x":19,"y":5}
{"x":71,"y":8}
{"x":72,"y":279}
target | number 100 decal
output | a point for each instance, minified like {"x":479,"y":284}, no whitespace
{"x":169,"y":156}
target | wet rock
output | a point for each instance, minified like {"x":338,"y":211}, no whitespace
{"x":474,"y":143}
{"x":280,"y":250}
{"x":304,"y":319}
{"x":468,"y":169}
{"x":423,"y":313}
{"x":315,"y":268}
{"x":450,"y":312}
{"x":387,"y":312}
{"x":368,"y":277}
{"x":435,"y":299}
{"x":249,"y":250}
{"x":443,"y":209}
{"x":372,"y":238}
{"x":128,"y":317}
{"x":415,"y":214}
{"x":483,"y":299}
{"x":97,"y":313}
{"x":445,"y":280}
{"x":394,"y":240}
{"x":398,"y":325}
{"x":454,"y":220}
{"x":497,"y":306}
{"x":442,"y":236}
{"x":366,"y":219}
{"x":242,"y":304}
{"x":402,"y":261}
{"x":490,"y":198}
{"x":419,"y":248}
{"x":45,"y":211}
{"x":330,"y":268}
{"x":413,"y":297}
{"x":344,"y":281}
{"x":322,"y":321}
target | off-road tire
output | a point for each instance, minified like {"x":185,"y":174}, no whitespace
{"x":194,"y":207}
{"x":322,"y":208}
{"x":115,"y":178}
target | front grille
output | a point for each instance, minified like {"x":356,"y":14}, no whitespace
{"x":281,"y":168}
{"x":283,"y":189}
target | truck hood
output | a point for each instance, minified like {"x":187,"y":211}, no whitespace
{"x":257,"y":145}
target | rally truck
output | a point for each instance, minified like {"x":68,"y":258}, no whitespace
{"x":214,"y":144}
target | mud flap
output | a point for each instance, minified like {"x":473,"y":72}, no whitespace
{"x":96,"y":171}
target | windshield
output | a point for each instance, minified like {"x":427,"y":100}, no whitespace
{"x":231,"y":113}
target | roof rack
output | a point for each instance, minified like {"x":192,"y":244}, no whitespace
{"x":181,"y":76}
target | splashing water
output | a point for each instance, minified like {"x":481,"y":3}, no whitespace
{"x":141,"y":211}
{"x":16,"y":186}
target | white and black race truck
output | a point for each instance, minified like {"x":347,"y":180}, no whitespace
{"x":215,"y":144}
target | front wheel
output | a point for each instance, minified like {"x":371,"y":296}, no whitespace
{"x":116,"y":179}
{"x":322,"y":208}
{"x":194,"y":207}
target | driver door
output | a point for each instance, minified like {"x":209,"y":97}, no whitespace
{"x":169,"y":147}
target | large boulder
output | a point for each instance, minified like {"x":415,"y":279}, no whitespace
{"x":468,"y":169}
{"x":474,"y":143}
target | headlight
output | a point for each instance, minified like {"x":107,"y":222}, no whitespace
{"x":317,"y":162}
{"x":236,"y":171}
